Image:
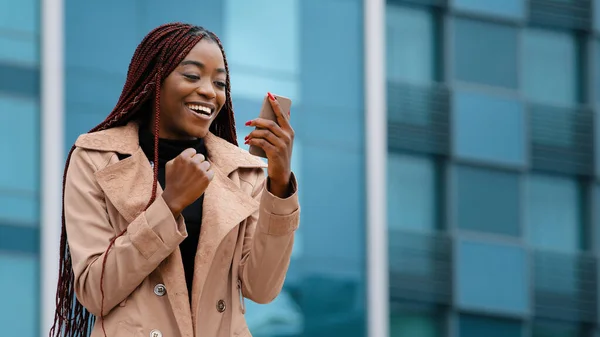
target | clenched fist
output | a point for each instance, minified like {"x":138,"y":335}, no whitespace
{"x":186,"y":178}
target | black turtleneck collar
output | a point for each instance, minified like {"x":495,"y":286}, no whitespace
{"x":168,"y":149}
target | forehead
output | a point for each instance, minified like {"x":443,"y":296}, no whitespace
{"x":208,"y":53}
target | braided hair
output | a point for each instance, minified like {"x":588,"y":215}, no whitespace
{"x":159,"y":53}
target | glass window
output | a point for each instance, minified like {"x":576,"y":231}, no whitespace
{"x":596,"y":7}
{"x":412,"y":193}
{"x":488,"y":128}
{"x":487,"y":200}
{"x":554,"y":207}
{"x":19,"y":17}
{"x":550,"y":66}
{"x":22,"y":50}
{"x":545,"y":328}
{"x":485,"y":53}
{"x":414,"y":323}
{"x":410,"y":44}
{"x":492,"y":277}
{"x":478,"y":326}
{"x":513,"y":9}
{"x":597,"y":65}
{"x":19,"y":313}
{"x":19,"y":183}
{"x":263,"y":58}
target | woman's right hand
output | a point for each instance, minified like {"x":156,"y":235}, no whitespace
{"x":186,"y":178}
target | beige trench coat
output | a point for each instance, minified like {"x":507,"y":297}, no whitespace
{"x":244,"y":250}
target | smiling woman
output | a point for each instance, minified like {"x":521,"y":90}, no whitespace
{"x":167,"y":224}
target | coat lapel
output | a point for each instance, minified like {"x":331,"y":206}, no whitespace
{"x":128,"y":186}
{"x":225,"y":206}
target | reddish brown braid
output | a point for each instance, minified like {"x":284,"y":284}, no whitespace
{"x":159,"y":53}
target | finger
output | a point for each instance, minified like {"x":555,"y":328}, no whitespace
{"x":198,"y":158}
{"x":282,"y":118}
{"x":267,"y":124}
{"x":268,"y":136}
{"x":210,"y":174}
{"x":204,"y":166}
{"x":189,"y":152}
{"x":263,"y":144}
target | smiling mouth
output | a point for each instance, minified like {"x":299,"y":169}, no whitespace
{"x":200,"y":109}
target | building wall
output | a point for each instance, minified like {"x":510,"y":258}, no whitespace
{"x":492,"y":168}
{"x":19,"y":178}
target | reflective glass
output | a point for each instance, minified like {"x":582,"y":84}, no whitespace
{"x":492,"y":278}
{"x":550,"y":66}
{"x":554,"y":213}
{"x":488,"y":128}
{"x":412,"y":324}
{"x":479,"y":326}
{"x":410,"y":44}
{"x":487,"y":200}
{"x":412,"y":202}
{"x":485,"y":53}
{"x":19,"y":313}
{"x":512,"y":9}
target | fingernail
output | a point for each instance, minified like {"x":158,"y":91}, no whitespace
{"x":246,"y":138}
{"x":271,"y":97}
{"x":248,"y":123}
{"x":247,"y":141}
{"x":289,"y":113}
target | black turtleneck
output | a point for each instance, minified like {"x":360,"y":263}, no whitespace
{"x":167,"y":150}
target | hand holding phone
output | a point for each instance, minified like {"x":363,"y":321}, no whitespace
{"x":273,"y":138}
{"x":267,"y":113}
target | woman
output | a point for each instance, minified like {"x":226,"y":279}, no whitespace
{"x":178,"y":261}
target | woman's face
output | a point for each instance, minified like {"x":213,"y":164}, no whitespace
{"x":193,"y":94}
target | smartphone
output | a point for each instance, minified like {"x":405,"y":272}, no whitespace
{"x":267,"y":112}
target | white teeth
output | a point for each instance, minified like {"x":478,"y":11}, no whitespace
{"x":199,"y":108}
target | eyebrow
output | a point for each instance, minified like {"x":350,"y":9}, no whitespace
{"x":200,"y":65}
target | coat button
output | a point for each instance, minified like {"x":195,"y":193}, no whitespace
{"x":155,"y":333}
{"x":160,"y":290}
{"x":221,"y":306}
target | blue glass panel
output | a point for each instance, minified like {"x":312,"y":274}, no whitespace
{"x":19,"y":80}
{"x":550,"y":66}
{"x":479,"y":326}
{"x":554,"y":219}
{"x":19,"y":313}
{"x":101,"y":37}
{"x":597,"y":66}
{"x":411,"y":190}
{"x":556,"y":329}
{"x":410,"y":44}
{"x":20,"y":16}
{"x":19,"y":123}
{"x":489,"y":128}
{"x":596,"y":7}
{"x":485,"y":53}
{"x":21,"y":50}
{"x":487,"y":200}
{"x":19,"y":207}
{"x":513,"y":9}
{"x":19,"y":239}
{"x":409,"y":324}
{"x":492,"y":277}
{"x":208,"y":14}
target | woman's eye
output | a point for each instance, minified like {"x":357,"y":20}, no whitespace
{"x":192,"y":77}
{"x":221,"y":84}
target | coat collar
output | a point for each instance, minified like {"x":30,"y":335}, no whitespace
{"x":125,"y":140}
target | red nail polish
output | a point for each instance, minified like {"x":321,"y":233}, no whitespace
{"x":271,"y":97}
{"x":247,"y":141}
{"x":246,"y":138}
{"x":248,"y":123}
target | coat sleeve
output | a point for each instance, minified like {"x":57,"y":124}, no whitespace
{"x":268,"y":242}
{"x":148,"y":240}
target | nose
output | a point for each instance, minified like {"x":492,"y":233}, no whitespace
{"x":206,"y":88}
